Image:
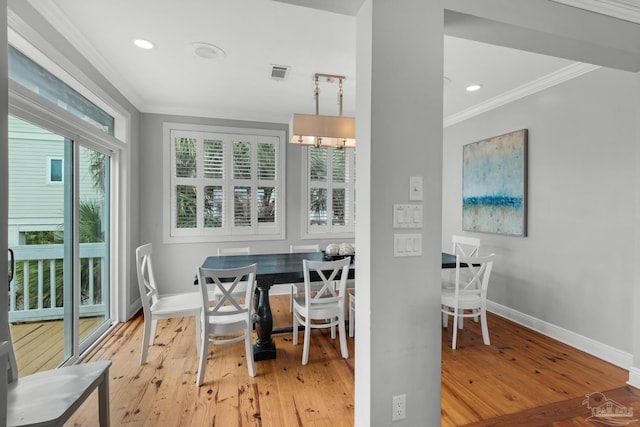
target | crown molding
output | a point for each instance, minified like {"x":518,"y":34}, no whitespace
{"x":628,"y":10}
{"x":560,"y":76}
{"x":64,"y":26}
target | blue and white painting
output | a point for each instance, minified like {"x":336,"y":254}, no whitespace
{"x":494,"y":184}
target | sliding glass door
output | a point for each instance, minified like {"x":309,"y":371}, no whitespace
{"x":59,"y":219}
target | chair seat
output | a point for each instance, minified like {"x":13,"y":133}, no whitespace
{"x":464,"y":300}
{"x":330,"y":309}
{"x":169,"y":304}
{"x":227,"y":324}
{"x":53,"y":395}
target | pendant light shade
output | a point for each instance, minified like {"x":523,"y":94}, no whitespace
{"x":323,"y":131}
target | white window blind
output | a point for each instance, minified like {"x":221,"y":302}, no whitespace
{"x":224,"y":184}
{"x":330,"y":192}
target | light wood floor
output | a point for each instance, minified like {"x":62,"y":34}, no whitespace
{"x":521,"y":379}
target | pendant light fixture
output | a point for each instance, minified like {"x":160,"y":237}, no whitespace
{"x":323,"y":131}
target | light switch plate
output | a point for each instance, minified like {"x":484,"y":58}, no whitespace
{"x":407,"y":215}
{"x":407,"y":245}
{"x":415,"y":188}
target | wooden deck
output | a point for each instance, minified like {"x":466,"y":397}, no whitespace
{"x":39,"y":345}
{"x":521,"y":379}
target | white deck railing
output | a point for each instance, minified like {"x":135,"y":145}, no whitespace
{"x":33,"y":307}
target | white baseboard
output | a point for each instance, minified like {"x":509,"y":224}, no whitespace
{"x":634,"y":377}
{"x":602,"y":351}
{"x":133,"y":308}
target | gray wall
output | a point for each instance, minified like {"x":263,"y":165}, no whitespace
{"x":399,"y":131}
{"x":575,"y":269}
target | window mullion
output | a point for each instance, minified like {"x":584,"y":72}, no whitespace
{"x":200,"y":183}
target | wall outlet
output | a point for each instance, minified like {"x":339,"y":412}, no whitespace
{"x":399,"y":411}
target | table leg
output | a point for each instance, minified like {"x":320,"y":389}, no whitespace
{"x":264,"y":348}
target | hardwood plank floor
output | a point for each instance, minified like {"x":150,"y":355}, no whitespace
{"x":521,"y":379}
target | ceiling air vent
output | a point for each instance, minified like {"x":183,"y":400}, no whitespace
{"x":279,"y":72}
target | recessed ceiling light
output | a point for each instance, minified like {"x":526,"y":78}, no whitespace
{"x":474,"y":87}
{"x":143,"y":44}
{"x":207,"y":50}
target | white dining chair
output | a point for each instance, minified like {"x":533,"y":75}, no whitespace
{"x":156,"y":306}
{"x":50,"y":398}
{"x":234,"y":251}
{"x":325,"y":308}
{"x":294,"y":288}
{"x":468,"y":298}
{"x":231,"y":252}
{"x":352,"y":314}
{"x":463,"y":246}
{"x":230,"y":316}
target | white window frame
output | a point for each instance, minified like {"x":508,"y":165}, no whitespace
{"x":328,"y":231}
{"x":228,"y":232}
{"x":49,"y":168}
{"x":28,"y":106}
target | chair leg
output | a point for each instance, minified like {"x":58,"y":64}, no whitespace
{"x":455,"y":329}
{"x":445,"y":318}
{"x":343,"y":338}
{"x":293,"y":291}
{"x":145,"y":341}
{"x":295,"y":329}
{"x":485,"y":327}
{"x":248,"y":348}
{"x":307,"y":338}
{"x":198,"y":319}
{"x":352,"y":319}
{"x":203,"y":357}
{"x":103,"y":400}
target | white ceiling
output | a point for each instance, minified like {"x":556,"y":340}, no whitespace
{"x":256,"y":34}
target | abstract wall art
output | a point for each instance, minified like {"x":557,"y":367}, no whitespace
{"x":494,"y":185}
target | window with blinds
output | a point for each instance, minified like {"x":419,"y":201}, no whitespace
{"x":330,"y":192}
{"x":225,"y":183}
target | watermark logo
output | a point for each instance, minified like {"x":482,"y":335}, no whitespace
{"x":607,"y":411}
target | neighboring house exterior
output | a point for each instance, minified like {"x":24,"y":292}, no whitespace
{"x":36,"y":181}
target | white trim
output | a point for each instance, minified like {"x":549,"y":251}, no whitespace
{"x":634,"y":377}
{"x":628,"y":10}
{"x":602,"y":351}
{"x":560,"y":76}
{"x":32,"y":107}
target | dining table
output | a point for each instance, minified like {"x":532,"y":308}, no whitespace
{"x":273,"y":269}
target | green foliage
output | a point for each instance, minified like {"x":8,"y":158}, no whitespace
{"x":98,"y":170}
{"x":90,"y":232}
{"x":91,"y":222}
